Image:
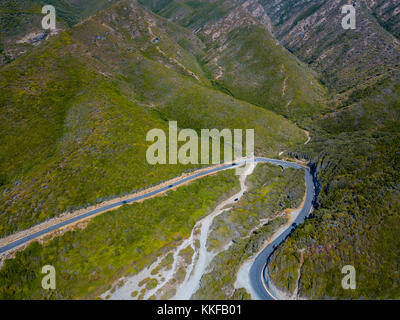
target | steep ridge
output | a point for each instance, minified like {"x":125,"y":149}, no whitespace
{"x":345,"y":58}
{"x":360,"y":67}
{"x":244,"y":59}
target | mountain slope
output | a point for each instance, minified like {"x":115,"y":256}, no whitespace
{"x":244,"y":59}
{"x":345,"y":58}
{"x":21,"y":26}
{"x":354,"y":151}
{"x":75,"y":110}
{"x":75,"y":113}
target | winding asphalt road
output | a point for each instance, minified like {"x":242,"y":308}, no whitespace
{"x":258,"y":278}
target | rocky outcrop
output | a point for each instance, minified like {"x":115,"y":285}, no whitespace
{"x":345,"y":58}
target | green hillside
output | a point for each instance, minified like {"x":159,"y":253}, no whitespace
{"x":20,"y":19}
{"x":76,"y":110}
{"x":89,"y":261}
{"x":244,"y":60}
{"x":354,"y":151}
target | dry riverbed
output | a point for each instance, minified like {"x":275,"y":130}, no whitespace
{"x":185,"y":271}
{"x":180,"y":277}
